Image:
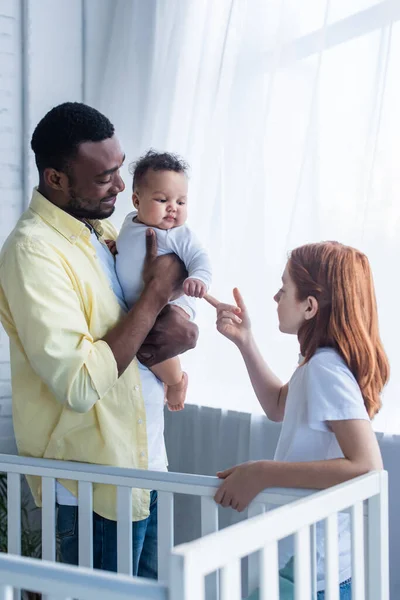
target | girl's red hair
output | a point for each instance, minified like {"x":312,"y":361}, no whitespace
{"x":340,"y":279}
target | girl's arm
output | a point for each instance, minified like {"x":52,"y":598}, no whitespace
{"x":361,"y":452}
{"x":234,"y":323}
{"x":269,"y":389}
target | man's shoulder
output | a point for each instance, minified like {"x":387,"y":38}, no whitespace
{"x":26,"y":233}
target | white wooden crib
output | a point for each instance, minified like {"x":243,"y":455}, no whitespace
{"x":365,"y":498}
{"x":196,"y":570}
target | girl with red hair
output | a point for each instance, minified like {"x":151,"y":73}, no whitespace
{"x":328,"y":300}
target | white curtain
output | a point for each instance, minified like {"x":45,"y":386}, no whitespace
{"x":288,"y":113}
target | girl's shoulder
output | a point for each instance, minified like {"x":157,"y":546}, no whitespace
{"x":328,"y":360}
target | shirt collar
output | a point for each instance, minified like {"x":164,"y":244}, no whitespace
{"x":67,"y":225}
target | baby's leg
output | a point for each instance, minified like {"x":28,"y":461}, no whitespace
{"x":170,"y":372}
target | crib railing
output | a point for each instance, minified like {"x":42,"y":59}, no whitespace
{"x":62,"y":582}
{"x":192,"y":562}
{"x":167,"y":485}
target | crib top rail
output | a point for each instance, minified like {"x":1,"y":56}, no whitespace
{"x":63,"y":581}
{"x":179,"y":483}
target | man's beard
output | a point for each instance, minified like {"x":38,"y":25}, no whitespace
{"x":81,"y":208}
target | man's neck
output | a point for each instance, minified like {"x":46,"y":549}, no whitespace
{"x":51,"y":197}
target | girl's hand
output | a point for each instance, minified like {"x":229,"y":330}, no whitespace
{"x":233,"y":321}
{"x":241,"y":485}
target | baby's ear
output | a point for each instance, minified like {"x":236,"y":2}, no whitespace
{"x":135,"y":200}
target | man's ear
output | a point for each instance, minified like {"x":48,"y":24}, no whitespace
{"x":311,"y":308}
{"x":56,"y":180}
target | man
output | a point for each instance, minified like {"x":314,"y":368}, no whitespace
{"x":75,"y":379}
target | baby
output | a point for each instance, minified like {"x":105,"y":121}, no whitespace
{"x":160,"y":186}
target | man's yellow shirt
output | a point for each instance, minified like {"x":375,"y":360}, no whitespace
{"x":56,"y":304}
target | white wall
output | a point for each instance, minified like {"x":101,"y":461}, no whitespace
{"x":11,"y":173}
{"x":40,"y":67}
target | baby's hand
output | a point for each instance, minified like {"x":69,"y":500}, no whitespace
{"x":112,"y":246}
{"x":194,"y":287}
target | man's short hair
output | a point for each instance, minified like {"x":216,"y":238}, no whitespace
{"x":58,"y":135}
{"x":156,"y":161}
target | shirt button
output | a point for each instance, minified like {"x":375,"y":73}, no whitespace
{"x":136,"y":388}
{"x":72,"y":238}
{"x":140,"y":421}
{"x":142,"y":454}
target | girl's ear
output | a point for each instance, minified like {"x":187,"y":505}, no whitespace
{"x":311,"y":308}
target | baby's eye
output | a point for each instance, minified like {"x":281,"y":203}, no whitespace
{"x":181,"y":203}
{"x":160,"y":200}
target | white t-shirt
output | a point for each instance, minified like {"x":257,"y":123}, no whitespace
{"x":131,"y":245}
{"x":322,"y":390}
{"x":152,"y":388}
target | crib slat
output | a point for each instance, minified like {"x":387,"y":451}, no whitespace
{"x":165,"y":527}
{"x":331,"y":558}
{"x":269,"y":572}
{"x":85,"y":524}
{"x":357,"y":552}
{"x":185,"y":581}
{"x":302,"y":564}
{"x":14,"y":513}
{"x":14,"y":519}
{"x":253,"y":561}
{"x":6,"y":592}
{"x":209,"y":515}
{"x":313,"y":553}
{"x":231,"y":581}
{"x":378,"y":543}
{"x":209,"y":524}
{"x":48,"y":519}
{"x":124,"y":530}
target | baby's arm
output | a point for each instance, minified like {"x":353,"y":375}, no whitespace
{"x":185,"y":244}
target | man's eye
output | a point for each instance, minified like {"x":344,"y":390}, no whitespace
{"x":104,"y":182}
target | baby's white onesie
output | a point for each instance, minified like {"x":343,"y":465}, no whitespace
{"x":131,"y":246}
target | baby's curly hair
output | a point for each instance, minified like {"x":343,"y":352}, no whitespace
{"x":157,"y":161}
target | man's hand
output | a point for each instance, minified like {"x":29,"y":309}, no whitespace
{"x":167,"y":271}
{"x":112,"y":246}
{"x":171,"y":335}
{"x":163,"y":277}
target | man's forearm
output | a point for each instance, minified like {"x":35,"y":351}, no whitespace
{"x":126,"y":338}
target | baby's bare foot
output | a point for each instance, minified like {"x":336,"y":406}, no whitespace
{"x":176,"y":394}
